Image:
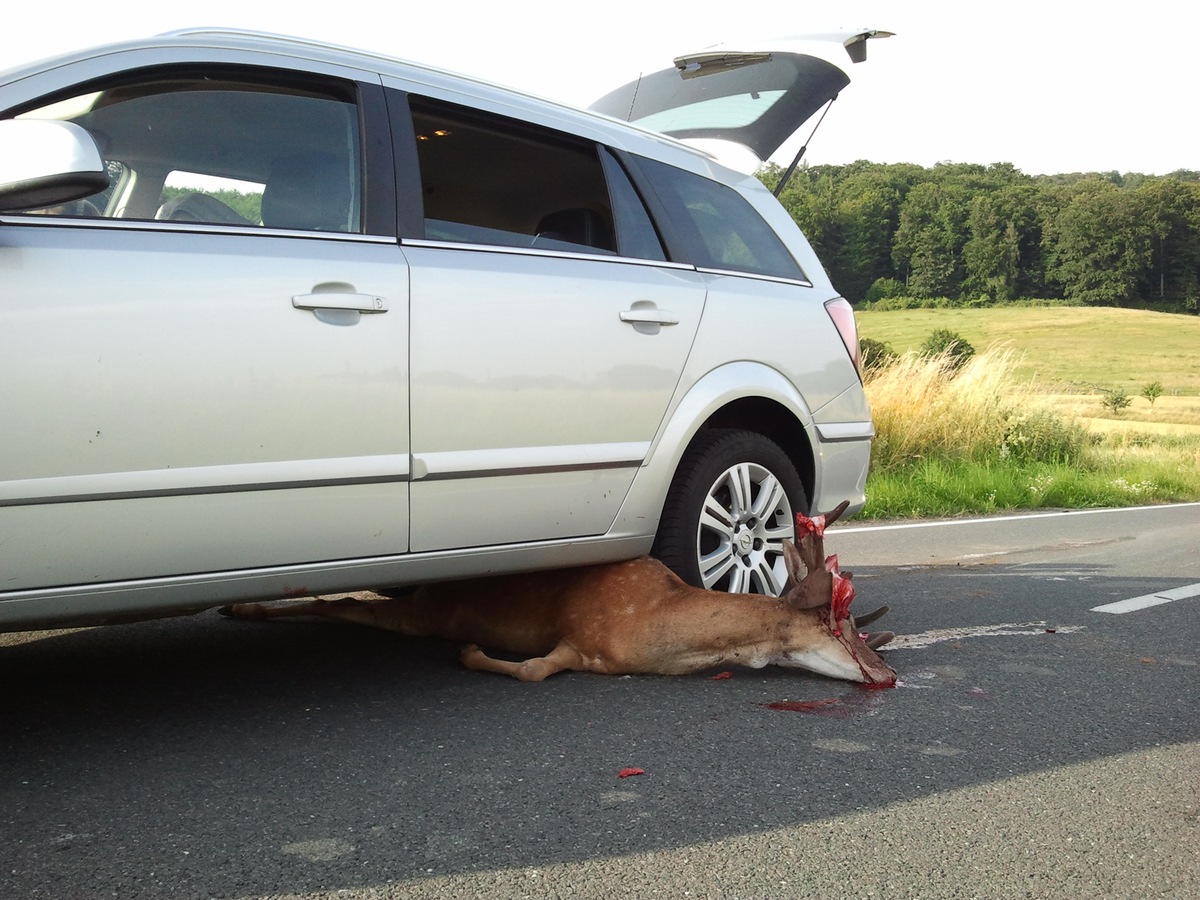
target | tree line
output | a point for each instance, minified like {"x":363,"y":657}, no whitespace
{"x":247,"y":205}
{"x":975,"y":234}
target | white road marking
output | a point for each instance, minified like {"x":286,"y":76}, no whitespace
{"x":901,"y":526}
{"x":1133,"y":604}
{"x":938,"y":635}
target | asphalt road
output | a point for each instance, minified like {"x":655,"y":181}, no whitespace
{"x":1036,"y":747}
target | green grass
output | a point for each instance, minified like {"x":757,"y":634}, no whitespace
{"x":948,"y":487}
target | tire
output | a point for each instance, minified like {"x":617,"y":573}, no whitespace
{"x":731,"y":504}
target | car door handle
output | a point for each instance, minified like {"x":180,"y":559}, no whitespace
{"x":649,"y":315}
{"x":363,"y":303}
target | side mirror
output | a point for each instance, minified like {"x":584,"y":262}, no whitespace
{"x":44,"y":162}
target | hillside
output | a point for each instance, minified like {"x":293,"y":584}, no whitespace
{"x":1065,"y":348}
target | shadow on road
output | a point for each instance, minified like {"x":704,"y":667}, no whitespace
{"x":206,"y":758}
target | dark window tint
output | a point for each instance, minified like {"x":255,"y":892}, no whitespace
{"x":718,"y":227}
{"x":636,"y":235}
{"x":490,"y":180}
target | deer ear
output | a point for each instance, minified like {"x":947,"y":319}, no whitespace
{"x":808,"y":588}
{"x":794,"y":563}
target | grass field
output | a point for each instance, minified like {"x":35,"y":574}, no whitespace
{"x":1075,"y":347}
{"x":1024,"y":424}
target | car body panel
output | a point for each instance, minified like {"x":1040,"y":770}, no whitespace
{"x":528,"y":352}
{"x":142,"y":418}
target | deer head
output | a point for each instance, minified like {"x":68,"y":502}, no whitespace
{"x":822,"y":593}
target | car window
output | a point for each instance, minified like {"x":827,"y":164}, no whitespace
{"x":718,"y":227}
{"x":636,"y":234}
{"x":491,"y":180}
{"x":754,"y":99}
{"x":223,"y":151}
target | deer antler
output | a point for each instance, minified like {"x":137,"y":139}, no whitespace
{"x":814,"y":587}
{"x":824,"y":581}
{"x":810,"y":534}
{"x":871,"y":616}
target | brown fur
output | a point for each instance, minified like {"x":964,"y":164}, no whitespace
{"x":616,"y":618}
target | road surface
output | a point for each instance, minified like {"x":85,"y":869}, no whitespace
{"x":1037,"y":746}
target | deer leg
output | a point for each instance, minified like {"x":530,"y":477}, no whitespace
{"x":346,"y":608}
{"x":564,"y":656}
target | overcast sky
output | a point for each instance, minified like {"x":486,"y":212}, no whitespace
{"x":1048,"y":86}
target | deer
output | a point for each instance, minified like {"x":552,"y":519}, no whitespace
{"x":635,"y":617}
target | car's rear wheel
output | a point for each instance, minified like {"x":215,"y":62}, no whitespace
{"x":731,"y":505}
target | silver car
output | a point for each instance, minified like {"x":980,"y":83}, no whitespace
{"x":279,"y":318}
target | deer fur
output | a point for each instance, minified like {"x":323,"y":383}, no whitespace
{"x":632,"y":617}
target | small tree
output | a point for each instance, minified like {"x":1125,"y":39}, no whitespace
{"x":951,"y":344}
{"x":875,"y":355}
{"x":1115,"y":400}
{"x":1153,"y":391}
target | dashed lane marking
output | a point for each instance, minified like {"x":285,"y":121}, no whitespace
{"x":1133,"y":604}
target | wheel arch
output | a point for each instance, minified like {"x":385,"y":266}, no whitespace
{"x":772,"y":420}
{"x":742,"y":395}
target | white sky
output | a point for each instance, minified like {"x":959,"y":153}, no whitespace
{"x":1048,"y":86}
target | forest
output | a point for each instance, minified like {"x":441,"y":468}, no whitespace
{"x":961,"y":234}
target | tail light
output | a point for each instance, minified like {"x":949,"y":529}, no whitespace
{"x":842,"y":314}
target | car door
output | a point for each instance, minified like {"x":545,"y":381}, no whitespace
{"x":754,"y":97}
{"x":548,"y":331}
{"x":205,"y":366}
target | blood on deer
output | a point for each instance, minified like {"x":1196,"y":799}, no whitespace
{"x":632,"y":617}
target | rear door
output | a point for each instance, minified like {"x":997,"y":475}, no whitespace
{"x":548,"y":331}
{"x":205,"y":367}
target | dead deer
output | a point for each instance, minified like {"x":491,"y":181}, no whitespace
{"x":632,"y":617}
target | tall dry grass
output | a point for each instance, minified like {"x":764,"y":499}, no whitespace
{"x":926,"y":409}
{"x":980,"y":439}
